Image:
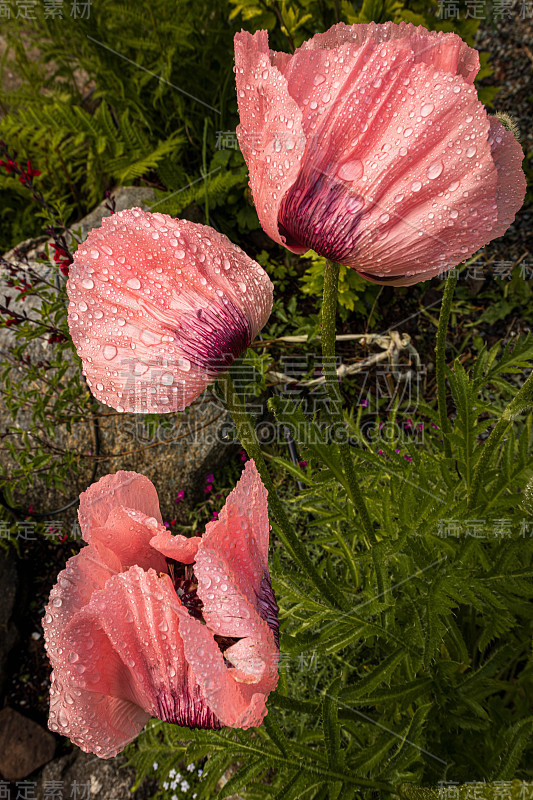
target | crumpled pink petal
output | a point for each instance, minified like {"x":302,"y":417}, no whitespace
{"x":180,"y":548}
{"x":399,"y":178}
{"x":83,"y":575}
{"x":129,"y":534}
{"x":122,"y":512}
{"x":124,"y":644}
{"x":97,"y":723}
{"x":232,"y":571}
{"x":236,"y":704}
{"x":159,"y":307}
{"x":122,"y":488}
{"x":240,"y":534}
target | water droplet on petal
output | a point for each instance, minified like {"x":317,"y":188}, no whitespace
{"x":133,"y":283}
{"x":354,"y":204}
{"x":184,"y":364}
{"x":434,"y":170}
{"x":350,"y":170}
{"x":109,"y":352}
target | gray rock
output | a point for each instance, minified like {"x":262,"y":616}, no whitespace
{"x":86,"y":776}
{"x":8,"y":631}
{"x":124,"y":197}
{"x":24,"y":745}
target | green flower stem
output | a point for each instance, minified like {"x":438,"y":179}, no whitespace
{"x":329,"y":311}
{"x":444,"y":319}
{"x":521,"y":402}
{"x":248,"y":439}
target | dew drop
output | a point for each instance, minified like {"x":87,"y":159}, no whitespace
{"x":133,"y":283}
{"x":184,"y":364}
{"x":354,"y":204}
{"x":87,"y":283}
{"x":109,"y":352}
{"x":350,"y":170}
{"x":434,"y":170}
{"x":471,"y":151}
{"x":416,"y":186}
{"x":426,"y":109}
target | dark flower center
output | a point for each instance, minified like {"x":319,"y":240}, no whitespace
{"x":212,"y":338}
{"x":187,"y":708}
{"x":186,"y":587}
{"x":267,"y":606}
{"x":319,"y":212}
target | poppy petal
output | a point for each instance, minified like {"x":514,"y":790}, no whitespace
{"x":180,"y":548}
{"x":128,"y":489}
{"x":270,"y":132}
{"x":159,"y":307}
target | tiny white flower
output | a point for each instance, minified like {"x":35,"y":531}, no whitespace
{"x":174,"y":785}
{"x":165,"y":785}
{"x":184,"y":786}
{"x":172,"y":773}
{"x":200,"y":773}
{"x":174,"y":797}
{"x":190,"y":768}
{"x":155,"y":765}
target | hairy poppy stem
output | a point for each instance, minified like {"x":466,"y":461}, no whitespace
{"x":329,"y":312}
{"x":440,"y":348}
{"x":248,"y":439}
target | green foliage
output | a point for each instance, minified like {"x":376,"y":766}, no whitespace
{"x":42,"y":390}
{"x":426,"y":680}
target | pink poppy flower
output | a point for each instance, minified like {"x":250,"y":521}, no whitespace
{"x":159,"y":307}
{"x":369,"y":145}
{"x":143,"y":623}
